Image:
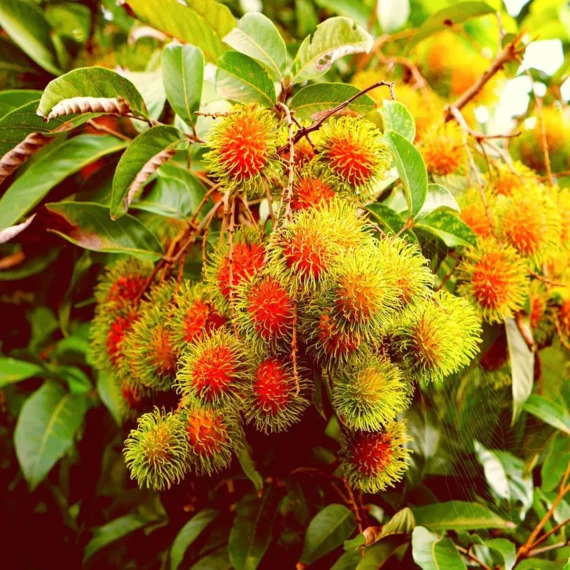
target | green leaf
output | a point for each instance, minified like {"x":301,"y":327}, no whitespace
{"x":411,"y":170}
{"x":555,"y":462}
{"x":403,"y":522}
{"x":127,"y":181}
{"x":390,"y":221}
{"x":328,"y":530}
{"x":257,"y":37}
{"x":319,"y":97}
{"x":458,"y":515}
{"x":446,"y":226}
{"x":218,"y":560}
{"x":52,"y":166}
{"x":89,"y":226}
{"x":183,"y":77}
{"x":29,"y":29}
{"x":549,"y":412}
{"x":506,"y":549}
{"x":251,"y":532}
{"x":433,"y":553}
{"x":33,"y":266}
{"x":109,"y":390}
{"x":202,"y":23}
{"x":45,"y":430}
{"x":537,"y":564}
{"x":151,"y":87}
{"x":248,"y":466}
{"x":14,"y":60}
{"x":15,"y":98}
{"x":447,"y":17}
{"x":188,"y":534}
{"x":240,"y":78}
{"x":12,"y":370}
{"x":115,"y":530}
{"x":397,"y":118}
{"x":334,"y":38}
{"x":378,"y":555}
{"x":438,"y":197}
{"x":91,"y":82}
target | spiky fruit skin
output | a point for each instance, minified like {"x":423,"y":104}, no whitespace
{"x":194,"y":315}
{"x":495,"y":280}
{"x":353,"y":153}
{"x":374,"y":461}
{"x":369,"y":392}
{"x":150,"y":353}
{"x":443,"y":150}
{"x":265,"y":310}
{"x":248,"y":256}
{"x":156,"y":452}
{"x":311,"y":190}
{"x":274,"y":401}
{"x":509,"y":183}
{"x":474,"y":213}
{"x":439,"y":337}
{"x":243,"y":149}
{"x":213,"y":436}
{"x":215,"y":371}
{"x":122,"y":284}
{"x":540,"y":314}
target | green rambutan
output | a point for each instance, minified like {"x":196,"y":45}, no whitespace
{"x":213,"y":435}
{"x":215,"y":370}
{"x":353,"y":152}
{"x":274,"y":398}
{"x":243,"y":149}
{"x":438,"y":337}
{"x":373,"y":461}
{"x":157,"y":451}
{"x":369,"y":391}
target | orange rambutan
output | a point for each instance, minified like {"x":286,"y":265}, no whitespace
{"x":443,"y":149}
{"x":243,"y":149}
{"x":475,"y":214}
{"x":495,"y":279}
{"x":309,"y":191}
{"x":509,"y":182}
{"x":123,"y":282}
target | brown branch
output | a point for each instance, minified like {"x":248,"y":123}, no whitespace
{"x":552,"y":531}
{"x":525,"y":332}
{"x":108,"y":130}
{"x":11,"y":260}
{"x":536,"y":551}
{"x":291,"y":166}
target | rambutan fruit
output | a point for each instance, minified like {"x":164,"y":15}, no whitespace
{"x":374,"y":461}
{"x":439,"y":337}
{"x":194,"y":316}
{"x":476,"y":215}
{"x":353,"y":152}
{"x":508,"y":182}
{"x":310,"y":190}
{"x":495,"y":279}
{"x":540,"y":314}
{"x":243,"y":149}
{"x":530,"y":223}
{"x":213,"y":435}
{"x":123,"y":282}
{"x":468,"y":72}
{"x":443,"y":149}
{"x":444,"y":53}
{"x":368,"y":392}
{"x":215,"y":370}
{"x":157,"y":452}
{"x":265,"y":309}
{"x":150,"y":353}
{"x":407,"y":268}
{"x":562,"y":199}
{"x":275,"y":398}
{"x":248,"y":256}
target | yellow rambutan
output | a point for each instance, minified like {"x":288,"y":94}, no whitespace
{"x":475,"y":214}
{"x":508,"y":182}
{"x":443,"y":149}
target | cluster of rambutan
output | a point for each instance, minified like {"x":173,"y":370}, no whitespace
{"x":323,"y":296}
{"x":521,"y":261}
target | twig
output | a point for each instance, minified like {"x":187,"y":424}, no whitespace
{"x":409,"y":223}
{"x":108,"y":130}
{"x":269,"y":201}
{"x":552,"y":531}
{"x":291,"y":166}
{"x":536,"y":551}
{"x":472,"y":556}
{"x":11,"y":260}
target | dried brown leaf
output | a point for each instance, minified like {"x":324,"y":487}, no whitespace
{"x":81,"y":105}
{"x":14,"y":158}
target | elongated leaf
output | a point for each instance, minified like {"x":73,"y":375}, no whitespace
{"x":202,"y":23}
{"x":458,"y":515}
{"x":218,"y":560}
{"x":397,"y":118}
{"x":448,"y":228}
{"x":314,"y":99}
{"x":248,"y":466}
{"x":555,"y":462}
{"x":32,"y":266}
{"x":183,"y":76}
{"x":257,"y":37}
{"x":447,"y":17}
{"x":13,"y":59}
{"x":433,"y":553}
{"x":522,"y":366}
{"x":45,"y":430}
{"x":188,"y":534}
{"x":115,"y":530}
{"x":240,"y":78}
{"x":137,"y":164}
{"x":109,"y":390}
{"x":438,"y":196}
{"x":96,"y":82}
{"x":89,"y":226}
{"x":390,"y":221}
{"x":506,"y":549}
{"x":328,"y":530}
{"x":12,"y":370}
{"x":411,"y":169}
{"x":251,"y":532}
{"x":53,"y":166}
{"x":334,"y":38}
{"x":549,"y":412}
{"x":29,"y":28}
{"x":14,"y":98}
